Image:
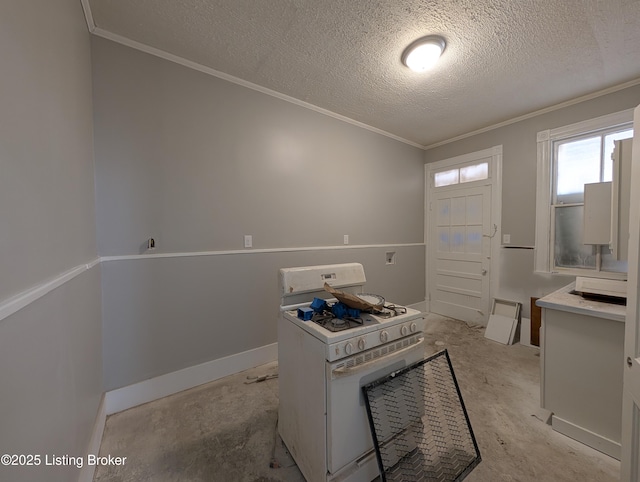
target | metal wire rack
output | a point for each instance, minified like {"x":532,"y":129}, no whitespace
{"x":419,"y":423}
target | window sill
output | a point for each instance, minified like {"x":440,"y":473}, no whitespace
{"x":587,"y":273}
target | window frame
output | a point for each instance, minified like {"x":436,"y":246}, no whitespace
{"x":546,"y":172}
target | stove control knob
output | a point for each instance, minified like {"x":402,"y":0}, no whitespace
{"x":361,"y":344}
{"x":413,"y":327}
{"x":384,"y":336}
{"x":348,"y":348}
{"x":404,"y":330}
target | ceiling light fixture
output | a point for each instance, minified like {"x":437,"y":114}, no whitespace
{"x":423,"y":54}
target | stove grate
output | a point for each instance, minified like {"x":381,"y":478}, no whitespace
{"x":419,"y":424}
{"x":327,"y":320}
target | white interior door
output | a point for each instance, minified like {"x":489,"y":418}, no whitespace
{"x":460,"y":252}
{"x":630,"y":461}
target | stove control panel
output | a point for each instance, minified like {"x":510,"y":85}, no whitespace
{"x":382,"y":336}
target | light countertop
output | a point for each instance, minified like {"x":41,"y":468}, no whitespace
{"x":563,"y":300}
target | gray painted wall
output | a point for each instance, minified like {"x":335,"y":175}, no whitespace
{"x":51,"y":378}
{"x":197,"y":162}
{"x":165,"y":314}
{"x":517,"y":279}
{"x":50,"y":351}
{"x":46,"y":186}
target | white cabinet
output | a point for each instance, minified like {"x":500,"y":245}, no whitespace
{"x":582,"y":368}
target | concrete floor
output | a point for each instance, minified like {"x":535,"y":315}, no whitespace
{"x":226,"y":430}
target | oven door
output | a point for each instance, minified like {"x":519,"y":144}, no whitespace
{"x":349,"y":438}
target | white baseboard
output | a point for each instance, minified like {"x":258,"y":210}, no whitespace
{"x":87,"y":472}
{"x":593,"y":440}
{"x":174,"y":382}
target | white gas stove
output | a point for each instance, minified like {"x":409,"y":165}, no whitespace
{"x":375,"y":330}
{"x":323,"y":364}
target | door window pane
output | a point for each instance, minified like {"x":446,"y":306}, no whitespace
{"x":477,"y":172}
{"x":474,"y":239}
{"x":474,"y":209}
{"x":569,"y":250}
{"x":578,"y":163}
{"x":446,"y":178}
{"x":444,"y":212}
{"x":458,"y":210}
{"x":444,"y":240}
{"x":457,"y":239}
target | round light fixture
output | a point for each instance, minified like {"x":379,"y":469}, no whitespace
{"x":423,"y":54}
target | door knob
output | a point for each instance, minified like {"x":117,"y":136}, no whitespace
{"x":484,"y":271}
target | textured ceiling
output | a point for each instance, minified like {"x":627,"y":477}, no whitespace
{"x":504,"y":58}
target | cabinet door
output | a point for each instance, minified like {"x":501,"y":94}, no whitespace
{"x":597,"y":213}
{"x":620,"y":199}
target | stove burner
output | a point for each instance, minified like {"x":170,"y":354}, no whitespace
{"x":389,"y":311}
{"x":331,"y":323}
{"x":327,"y":320}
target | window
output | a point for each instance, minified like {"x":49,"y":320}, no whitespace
{"x":471,"y":173}
{"x":569,"y":158}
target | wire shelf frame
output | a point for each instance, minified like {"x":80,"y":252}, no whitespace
{"x":420,"y":427}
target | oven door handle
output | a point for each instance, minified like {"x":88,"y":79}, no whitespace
{"x":342,"y":370}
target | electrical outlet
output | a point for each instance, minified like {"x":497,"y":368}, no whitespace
{"x":248,"y":241}
{"x":506,"y":239}
{"x":346,"y":239}
{"x":390,"y":257}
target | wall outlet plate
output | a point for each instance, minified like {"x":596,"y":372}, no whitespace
{"x":390,"y":257}
{"x":248,"y":241}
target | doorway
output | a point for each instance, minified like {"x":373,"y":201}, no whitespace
{"x":462,"y":233}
